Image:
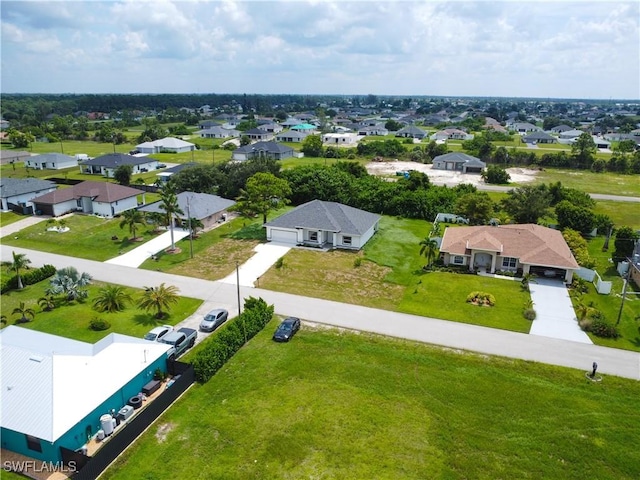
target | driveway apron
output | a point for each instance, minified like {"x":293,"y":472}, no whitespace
{"x":555,"y":315}
{"x":266,"y":255}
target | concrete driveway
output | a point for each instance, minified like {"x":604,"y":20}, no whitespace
{"x":555,"y":315}
{"x":266,"y":255}
{"x":136,"y":257}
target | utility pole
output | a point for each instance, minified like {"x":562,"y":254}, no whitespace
{"x":244,"y":327}
{"x":190,"y":231}
{"x":624,"y":290}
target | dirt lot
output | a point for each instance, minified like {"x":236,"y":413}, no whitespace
{"x":446,"y":177}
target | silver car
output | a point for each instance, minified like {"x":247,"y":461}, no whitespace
{"x":214,"y":319}
{"x":157,"y":333}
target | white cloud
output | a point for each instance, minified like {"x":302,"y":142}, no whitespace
{"x":405,"y":47}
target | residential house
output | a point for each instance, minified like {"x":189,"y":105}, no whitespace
{"x":166,"y":174}
{"x":539,"y":137}
{"x":205,"y":124}
{"x":411,"y":131}
{"x":570,"y":134}
{"x":270,"y":127}
{"x":339,"y":139}
{"x":258,"y":135}
{"x":291,"y":122}
{"x":218,"y":132}
{"x":98,"y":198}
{"x":17,"y":193}
{"x":378,"y":130}
{"x":324,"y":224}
{"x":451,"y":134}
{"x":526,"y":249}
{"x":523,"y":127}
{"x":167,"y":144}
{"x":304,"y":128}
{"x":459,"y":161}
{"x":291,"y":136}
{"x":106,"y":165}
{"x":560,"y":128}
{"x":51,"y":161}
{"x":209,"y":209}
{"x":272,"y":150}
{"x":55,"y":390}
{"x":13,"y":156}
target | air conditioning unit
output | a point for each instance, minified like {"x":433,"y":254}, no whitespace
{"x":125,"y":413}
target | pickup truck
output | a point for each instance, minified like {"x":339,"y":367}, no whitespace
{"x":180,"y":340}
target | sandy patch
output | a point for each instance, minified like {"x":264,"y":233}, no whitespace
{"x":163,"y":431}
{"x":446,"y":177}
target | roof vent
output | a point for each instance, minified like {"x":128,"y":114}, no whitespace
{"x":36,"y":358}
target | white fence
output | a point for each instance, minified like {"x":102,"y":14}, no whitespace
{"x":602,"y":287}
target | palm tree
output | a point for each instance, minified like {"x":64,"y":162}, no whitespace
{"x":69,"y":282}
{"x":112,"y":298}
{"x":436,"y":229}
{"x":24,"y":312}
{"x":47,"y":303}
{"x":20,"y":262}
{"x":158,"y":298}
{"x":169,"y":203}
{"x":195,"y":224}
{"x":131,"y":218}
{"x":428,"y":248}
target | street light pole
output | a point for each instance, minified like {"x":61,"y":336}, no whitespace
{"x":190,"y":231}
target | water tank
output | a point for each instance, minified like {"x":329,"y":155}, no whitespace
{"x":100,"y":434}
{"x":106,"y":422}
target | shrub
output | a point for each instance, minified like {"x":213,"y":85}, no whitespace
{"x":601,"y":328}
{"x":357,"y":262}
{"x":279,"y":263}
{"x":218,"y":349}
{"x":481,"y":298}
{"x":29,"y":277}
{"x":99,"y":324}
{"x":529,"y":314}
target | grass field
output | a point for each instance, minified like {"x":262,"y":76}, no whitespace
{"x":587,"y":181}
{"x":88,"y":237}
{"x":72,"y":319}
{"x":353,"y":406}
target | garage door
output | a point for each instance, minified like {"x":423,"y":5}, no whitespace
{"x":284,"y":236}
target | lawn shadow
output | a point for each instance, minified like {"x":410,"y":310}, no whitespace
{"x":253,"y":231}
{"x":147,"y":320}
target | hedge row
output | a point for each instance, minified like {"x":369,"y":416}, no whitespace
{"x":219,"y":348}
{"x":29,"y":277}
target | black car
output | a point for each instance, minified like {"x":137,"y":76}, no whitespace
{"x":287,"y":329}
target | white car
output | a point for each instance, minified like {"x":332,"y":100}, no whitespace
{"x":157,"y":333}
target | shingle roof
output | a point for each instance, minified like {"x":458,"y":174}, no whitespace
{"x":52,"y":157}
{"x":10,"y":187}
{"x":200,"y":205}
{"x":114,"y":160}
{"x":532,"y":244}
{"x":459,"y":157}
{"x":271,"y":147}
{"x":328,"y":216}
{"x":98,"y":191}
{"x":538,"y":136}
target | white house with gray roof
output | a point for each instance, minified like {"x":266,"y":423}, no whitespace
{"x":107,"y":164}
{"x":207,"y":208}
{"x":51,"y":161}
{"x":18,"y":193}
{"x":459,"y":161}
{"x":324,"y":225}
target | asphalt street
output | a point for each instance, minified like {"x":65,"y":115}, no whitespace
{"x":455,"y":335}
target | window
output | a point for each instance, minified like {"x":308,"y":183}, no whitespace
{"x":313,"y":236}
{"x":509,"y":262}
{"x":346,"y":240}
{"x":458,"y":260}
{"x":33,"y":443}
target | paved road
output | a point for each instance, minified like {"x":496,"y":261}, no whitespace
{"x":595,"y":196}
{"x":429,"y":330}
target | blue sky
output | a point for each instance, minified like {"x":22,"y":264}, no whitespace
{"x":484,"y":48}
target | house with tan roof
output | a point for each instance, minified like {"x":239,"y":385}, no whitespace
{"x":526,"y":249}
{"x":99,"y":198}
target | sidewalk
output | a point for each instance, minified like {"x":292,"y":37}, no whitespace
{"x":266,"y":255}
{"x":136,"y":257}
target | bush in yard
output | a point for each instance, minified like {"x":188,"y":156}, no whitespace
{"x":219,"y":348}
{"x":30,"y":277}
{"x":357,"y":262}
{"x":481,"y":298}
{"x":99,"y":324}
{"x":601,"y":328}
{"x":529,"y":314}
{"x":279,"y":263}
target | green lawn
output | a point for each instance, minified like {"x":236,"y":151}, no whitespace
{"x":72,"y":319}
{"x":89,"y":237}
{"x":7,"y":218}
{"x":390,"y":277}
{"x":587,"y":181}
{"x":354,"y":406}
{"x":622,"y":213}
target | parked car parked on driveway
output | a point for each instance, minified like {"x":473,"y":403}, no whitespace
{"x":157,"y":333}
{"x":214,"y":319}
{"x":287,"y":329}
{"x":180,"y":340}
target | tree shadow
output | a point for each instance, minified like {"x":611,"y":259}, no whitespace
{"x":148,"y":320}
